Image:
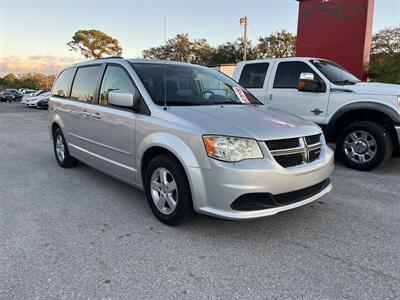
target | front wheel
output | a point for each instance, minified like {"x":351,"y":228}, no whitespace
{"x":168,"y":191}
{"x":363,"y":145}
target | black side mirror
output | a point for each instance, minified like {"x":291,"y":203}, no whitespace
{"x":307,"y":83}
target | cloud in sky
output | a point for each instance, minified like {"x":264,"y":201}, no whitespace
{"x":46,"y":64}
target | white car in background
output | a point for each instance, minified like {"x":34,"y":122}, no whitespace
{"x":28,"y":96}
{"x":28,"y":93}
{"x":32,"y":101}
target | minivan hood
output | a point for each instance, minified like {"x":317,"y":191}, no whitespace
{"x":254,"y":121}
{"x":375,"y":88}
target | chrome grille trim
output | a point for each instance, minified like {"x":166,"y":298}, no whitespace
{"x":309,"y":152}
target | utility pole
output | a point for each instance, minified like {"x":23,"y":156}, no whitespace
{"x":243,"y":21}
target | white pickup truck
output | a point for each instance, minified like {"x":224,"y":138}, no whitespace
{"x":362,"y":118}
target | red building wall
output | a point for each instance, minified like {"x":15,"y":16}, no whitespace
{"x":338,"y":30}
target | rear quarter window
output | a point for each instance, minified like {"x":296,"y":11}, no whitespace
{"x":253,"y":75}
{"x":62,"y":86}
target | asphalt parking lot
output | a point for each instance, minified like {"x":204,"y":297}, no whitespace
{"x":77,"y":233}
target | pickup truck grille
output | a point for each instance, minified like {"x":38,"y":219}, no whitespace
{"x":296,"y":151}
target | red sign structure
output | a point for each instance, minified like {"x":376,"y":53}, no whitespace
{"x":338,"y":30}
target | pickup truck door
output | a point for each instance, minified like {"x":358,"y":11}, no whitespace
{"x":254,"y":76}
{"x":283,"y":93}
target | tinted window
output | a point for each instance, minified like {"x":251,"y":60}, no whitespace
{"x":85,"y":83}
{"x":115,"y":78}
{"x":253,"y":75}
{"x":288,"y":74}
{"x":334,"y":72}
{"x":190,"y":85}
{"x":62,"y":86}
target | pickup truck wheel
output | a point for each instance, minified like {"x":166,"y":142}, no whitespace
{"x":363,"y":145}
{"x":168,"y":191}
{"x":61,"y":152}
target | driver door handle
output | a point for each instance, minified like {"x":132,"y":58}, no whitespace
{"x":317,"y":111}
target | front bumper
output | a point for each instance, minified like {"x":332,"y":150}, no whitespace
{"x":215,"y":189}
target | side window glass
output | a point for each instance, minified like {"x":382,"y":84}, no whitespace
{"x":115,"y":78}
{"x":85,"y":83}
{"x":288,"y":74}
{"x":62,"y":86}
{"x":253,"y":75}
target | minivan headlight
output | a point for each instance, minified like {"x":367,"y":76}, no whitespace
{"x":231,"y":149}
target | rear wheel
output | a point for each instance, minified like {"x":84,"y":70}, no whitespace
{"x":168,"y":191}
{"x":363,"y":145}
{"x":61,"y":152}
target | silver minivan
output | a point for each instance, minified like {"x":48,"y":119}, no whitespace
{"x":192,"y":138}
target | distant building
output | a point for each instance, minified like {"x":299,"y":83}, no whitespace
{"x":227,"y":69}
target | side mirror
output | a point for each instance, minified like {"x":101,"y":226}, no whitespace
{"x":123,"y":98}
{"x":307,"y":83}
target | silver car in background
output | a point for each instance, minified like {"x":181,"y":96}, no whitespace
{"x":189,"y":136}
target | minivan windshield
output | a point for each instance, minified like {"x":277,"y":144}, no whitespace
{"x":335,"y":73}
{"x":186,"y":85}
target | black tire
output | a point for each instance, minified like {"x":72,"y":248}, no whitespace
{"x":68,"y":161}
{"x":383,"y":150}
{"x":183,"y":211}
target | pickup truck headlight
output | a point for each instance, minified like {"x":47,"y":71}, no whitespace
{"x":231,"y":149}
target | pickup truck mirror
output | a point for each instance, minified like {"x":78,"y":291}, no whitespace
{"x":308,"y":83}
{"x":123,"y":98}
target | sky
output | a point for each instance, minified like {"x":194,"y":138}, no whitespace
{"x":34,"y":33}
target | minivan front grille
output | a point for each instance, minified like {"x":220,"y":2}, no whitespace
{"x":283,"y":144}
{"x":296,"y":151}
{"x":313,"y":139}
{"x":290,"y":160}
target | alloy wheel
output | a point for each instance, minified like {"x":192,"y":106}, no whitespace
{"x":359,"y":146}
{"x":164,"y":191}
{"x":60,"y":149}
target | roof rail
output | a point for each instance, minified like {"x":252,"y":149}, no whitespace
{"x":112,"y":57}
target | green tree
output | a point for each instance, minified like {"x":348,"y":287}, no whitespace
{"x":94,"y":44}
{"x":278,"y":44}
{"x":202,"y":52}
{"x":177,"y":49}
{"x":28,"y":80}
{"x":232,"y":52}
{"x":384,"y":63}
{"x":386,"y":40}
{"x":385,"y":67}
{"x":182,"y":48}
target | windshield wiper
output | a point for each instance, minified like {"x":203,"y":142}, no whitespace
{"x":345,"y":82}
{"x":227,"y":102}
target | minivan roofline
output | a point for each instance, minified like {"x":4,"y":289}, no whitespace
{"x":136,"y":60}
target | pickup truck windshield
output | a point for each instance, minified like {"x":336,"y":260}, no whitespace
{"x":179,"y":85}
{"x":335,"y":73}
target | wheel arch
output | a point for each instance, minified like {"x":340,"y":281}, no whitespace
{"x":363,"y":111}
{"x":160,"y":143}
{"x":56,"y":122}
